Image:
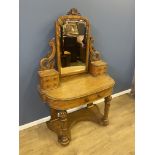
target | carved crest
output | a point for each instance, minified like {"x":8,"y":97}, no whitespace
{"x":73,"y":11}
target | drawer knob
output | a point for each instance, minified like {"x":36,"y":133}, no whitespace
{"x":98,"y":95}
{"x":86,"y":99}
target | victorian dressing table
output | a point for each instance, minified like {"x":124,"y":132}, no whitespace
{"x":72,"y":74}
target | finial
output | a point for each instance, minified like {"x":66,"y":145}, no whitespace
{"x":73,"y":11}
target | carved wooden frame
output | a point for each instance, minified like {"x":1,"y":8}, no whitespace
{"x":59,"y":23}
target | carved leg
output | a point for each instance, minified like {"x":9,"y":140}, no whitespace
{"x":106,"y":110}
{"x":63,"y":138}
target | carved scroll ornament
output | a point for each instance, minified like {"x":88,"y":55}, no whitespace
{"x":94,"y":55}
{"x":48,"y":61}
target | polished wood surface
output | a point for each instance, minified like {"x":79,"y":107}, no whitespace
{"x":68,"y":104}
{"x":49,"y":79}
{"x":98,"y":68}
{"x":87,"y":138}
{"x":72,"y":70}
{"x":67,"y":95}
{"x":79,"y":86}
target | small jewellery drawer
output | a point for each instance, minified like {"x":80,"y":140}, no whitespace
{"x":98,"y":68}
{"x":49,"y":79}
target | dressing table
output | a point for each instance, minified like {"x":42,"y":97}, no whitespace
{"x":71,"y":75}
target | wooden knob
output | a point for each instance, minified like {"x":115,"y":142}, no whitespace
{"x":98,"y":95}
{"x":54,"y":78}
{"x":86,"y":99}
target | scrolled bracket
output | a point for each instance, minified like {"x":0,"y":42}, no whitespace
{"x":94,"y":54}
{"x":48,"y":61}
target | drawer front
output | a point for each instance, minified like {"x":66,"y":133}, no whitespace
{"x":68,"y":104}
{"x":98,"y":70}
{"x":49,"y":82}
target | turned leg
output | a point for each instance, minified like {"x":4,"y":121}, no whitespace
{"x":106,"y":110}
{"x":63,"y":138}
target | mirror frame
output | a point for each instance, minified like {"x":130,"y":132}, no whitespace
{"x":59,"y":23}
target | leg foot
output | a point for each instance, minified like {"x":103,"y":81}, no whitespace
{"x":64,"y":141}
{"x":105,"y":122}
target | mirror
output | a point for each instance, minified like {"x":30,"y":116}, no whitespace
{"x":73,"y":40}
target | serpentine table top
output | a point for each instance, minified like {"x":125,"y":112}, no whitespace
{"x":82,"y":89}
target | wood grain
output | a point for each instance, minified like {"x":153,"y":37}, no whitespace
{"x":71,"y":69}
{"x":78,"y":90}
{"x":97,"y":67}
{"x":78,"y":86}
{"x":87,"y":138}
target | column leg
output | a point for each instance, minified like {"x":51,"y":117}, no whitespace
{"x":63,"y":138}
{"x":106,"y":110}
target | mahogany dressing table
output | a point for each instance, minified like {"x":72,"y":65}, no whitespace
{"x":72,"y":74}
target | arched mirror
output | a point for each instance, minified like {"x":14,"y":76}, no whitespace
{"x":72,"y":43}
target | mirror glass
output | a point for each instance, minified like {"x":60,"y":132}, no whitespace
{"x":73,"y":46}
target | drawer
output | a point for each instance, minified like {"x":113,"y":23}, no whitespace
{"x":92,"y":98}
{"x":72,"y":103}
{"x":49,"y":79}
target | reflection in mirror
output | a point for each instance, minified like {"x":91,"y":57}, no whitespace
{"x":73,"y":47}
